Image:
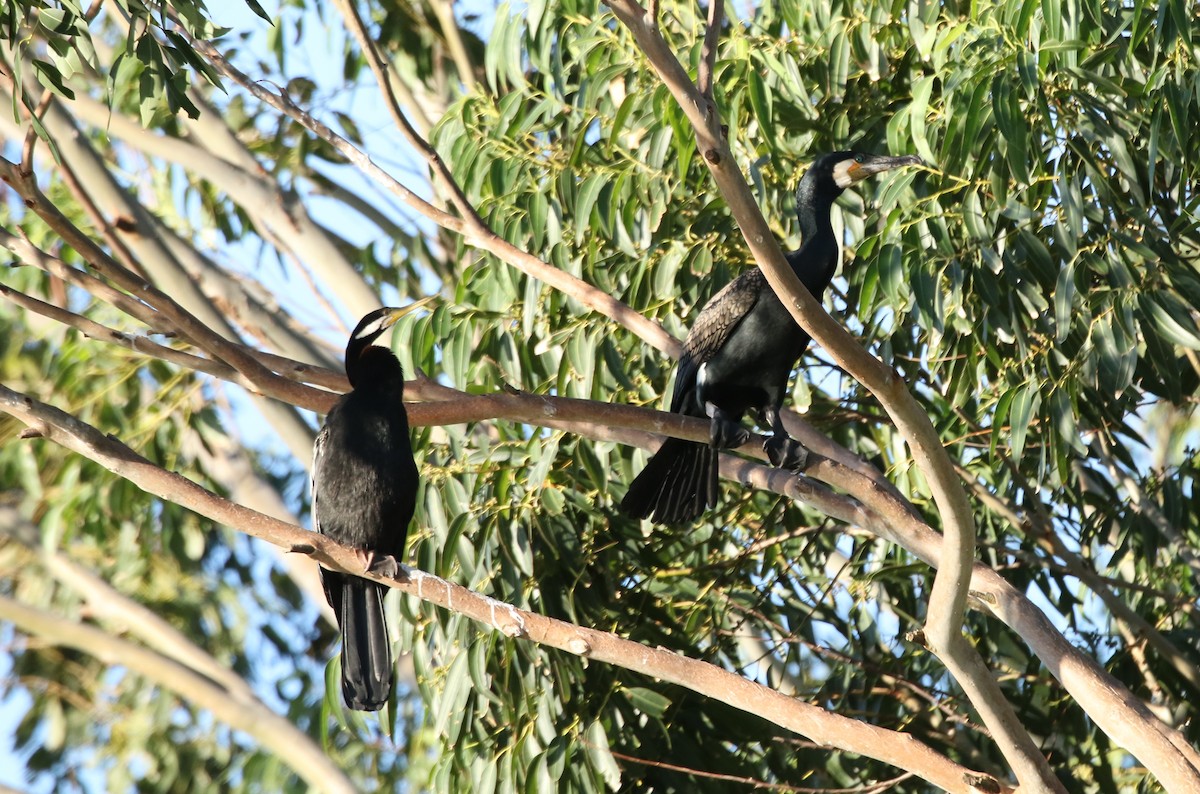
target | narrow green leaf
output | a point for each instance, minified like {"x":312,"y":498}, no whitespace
{"x":649,"y":702}
{"x":1011,"y":121}
{"x":596,"y":741}
{"x":49,"y":76}
{"x":1019,"y":417}
{"x":1064,"y":301}
{"x":1172,"y":319}
{"x":585,"y":200}
{"x":918,"y":108}
{"x":999,"y":416}
{"x":1027,"y":70}
{"x":259,"y":10}
{"x":762,"y":103}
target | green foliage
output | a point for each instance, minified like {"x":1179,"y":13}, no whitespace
{"x":1036,"y":285}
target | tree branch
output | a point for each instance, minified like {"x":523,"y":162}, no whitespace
{"x":139,"y":344}
{"x":394,"y":89}
{"x":475,"y":234}
{"x":708,"y":55}
{"x":900,"y":750}
{"x":948,"y":597}
{"x":285,"y":217}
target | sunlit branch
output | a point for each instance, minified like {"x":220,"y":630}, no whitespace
{"x":828,"y":729}
{"x":948,"y":597}
{"x":134,"y":342}
{"x":395,"y":91}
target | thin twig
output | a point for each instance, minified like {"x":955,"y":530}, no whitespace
{"x":472,"y":228}
{"x":763,"y":785}
{"x":708,"y":54}
{"x":31,"y":135}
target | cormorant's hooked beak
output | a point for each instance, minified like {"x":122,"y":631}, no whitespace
{"x":870,"y":164}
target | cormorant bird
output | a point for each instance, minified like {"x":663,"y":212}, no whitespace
{"x":740,"y":351}
{"x":364,"y":488}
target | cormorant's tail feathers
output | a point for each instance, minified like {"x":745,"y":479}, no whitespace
{"x":678,"y":484}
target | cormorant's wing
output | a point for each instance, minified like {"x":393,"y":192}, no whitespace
{"x":721,"y":316}
{"x":714,"y":325}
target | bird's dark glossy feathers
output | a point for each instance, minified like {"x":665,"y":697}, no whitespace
{"x":678,"y":483}
{"x":741,"y":350}
{"x":366,"y":649}
{"x":721,"y":316}
{"x":364,"y":490}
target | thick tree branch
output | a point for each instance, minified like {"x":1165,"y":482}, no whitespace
{"x":948,"y":597}
{"x":821,"y":726}
{"x":20,"y":178}
{"x":873,"y":506}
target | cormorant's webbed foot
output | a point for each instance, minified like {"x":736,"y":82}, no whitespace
{"x":724,"y":434}
{"x":786,"y":452}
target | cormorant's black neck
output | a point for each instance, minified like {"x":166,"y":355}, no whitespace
{"x":816,"y":260}
{"x":814,"y":202}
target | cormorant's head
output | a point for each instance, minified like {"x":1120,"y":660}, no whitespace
{"x":833,"y":173}
{"x":359,"y":350}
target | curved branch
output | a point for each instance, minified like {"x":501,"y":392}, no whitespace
{"x":948,"y":597}
{"x":900,"y":750}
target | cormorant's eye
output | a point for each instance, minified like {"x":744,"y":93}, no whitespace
{"x":858,"y":158}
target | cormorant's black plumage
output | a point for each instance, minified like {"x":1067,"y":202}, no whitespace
{"x":364,"y":488}
{"x":740,"y":351}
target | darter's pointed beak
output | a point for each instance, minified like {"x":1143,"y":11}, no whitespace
{"x":393,"y":316}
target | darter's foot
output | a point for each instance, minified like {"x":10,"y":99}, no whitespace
{"x":724,"y":434}
{"x":384,"y":565}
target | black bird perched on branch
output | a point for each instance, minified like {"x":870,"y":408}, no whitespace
{"x":740,"y":351}
{"x":364,"y":489}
